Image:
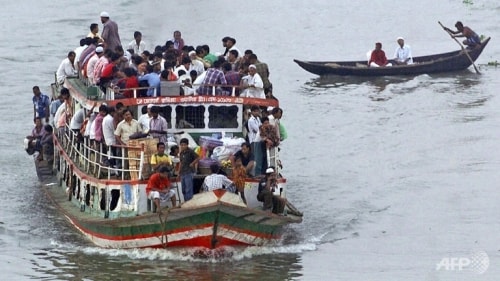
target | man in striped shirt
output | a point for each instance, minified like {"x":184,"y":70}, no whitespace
{"x":214,"y":76}
{"x":217,"y":181}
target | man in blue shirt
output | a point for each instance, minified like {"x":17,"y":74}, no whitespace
{"x":41,"y":103}
{"x":152,"y":78}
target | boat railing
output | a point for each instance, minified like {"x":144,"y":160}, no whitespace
{"x":101,"y":161}
{"x":112,"y":91}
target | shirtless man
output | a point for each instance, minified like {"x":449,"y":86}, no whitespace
{"x":471,"y":38}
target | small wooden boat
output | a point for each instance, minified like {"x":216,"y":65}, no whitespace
{"x":446,"y":62}
{"x":113,"y":211}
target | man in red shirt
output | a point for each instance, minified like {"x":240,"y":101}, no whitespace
{"x":158,"y":188}
{"x":378,"y":58}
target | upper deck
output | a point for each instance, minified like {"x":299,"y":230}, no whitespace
{"x":193,"y":114}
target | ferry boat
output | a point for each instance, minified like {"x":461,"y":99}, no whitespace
{"x":114,"y":211}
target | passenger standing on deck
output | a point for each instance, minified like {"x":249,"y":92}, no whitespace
{"x":41,"y":103}
{"x":403,"y":55}
{"x":110,"y":32}
{"x":160,"y":159}
{"x":54,"y":105}
{"x":254,"y":124}
{"x":239,"y":175}
{"x":127,"y":127}
{"x":66,"y":68}
{"x":158,"y":125}
{"x":188,"y":161}
{"x":145,"y":117}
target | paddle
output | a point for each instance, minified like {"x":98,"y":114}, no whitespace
{"x":463,"y":49}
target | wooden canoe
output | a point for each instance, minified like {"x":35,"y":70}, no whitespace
{"x":445,"y":62}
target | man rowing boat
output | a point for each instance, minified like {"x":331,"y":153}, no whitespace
{"x":471,"y":38}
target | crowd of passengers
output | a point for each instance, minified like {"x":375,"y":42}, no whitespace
{"x":106,"y":62}
{"x":102,"y":59}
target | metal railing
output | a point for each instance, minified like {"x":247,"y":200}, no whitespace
{"x":97,"y":159}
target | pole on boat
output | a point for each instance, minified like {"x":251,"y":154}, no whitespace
{"x":463,"y":49}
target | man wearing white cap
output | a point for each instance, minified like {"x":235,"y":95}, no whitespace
{"x":110,"y":32}
{"x":196,"y":63}
{"x":99,"y":52}
{"x":268,"y":188}
{"x":403,"y":53}
{"x":252,"y":84}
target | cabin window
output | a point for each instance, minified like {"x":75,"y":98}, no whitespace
{"x":223,"y":116}
{"x":115,"y":195}
{"x":190,"y":117}
{"x":166,"y":112}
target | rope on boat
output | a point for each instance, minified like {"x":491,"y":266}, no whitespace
{"x":163,"y":223}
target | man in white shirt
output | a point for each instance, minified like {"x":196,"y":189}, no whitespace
{"x":99,"y":52}
{"x":252,"y":84}
{"x":403,"y":55}
{"x":196,"y":64}
{"x":108,"y":129}
{"x":66,"y":68}
{"x":254,"y":139}
{"x":137,"y":44}
{"x":145,"y":118}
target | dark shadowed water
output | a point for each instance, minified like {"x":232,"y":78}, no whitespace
{"x":395,"y":175}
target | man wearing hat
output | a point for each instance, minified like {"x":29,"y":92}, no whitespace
{"x":89,"y":70}
{"x":267,"y":186}
{"x":403,"y":53}
{"x":110,"y":32}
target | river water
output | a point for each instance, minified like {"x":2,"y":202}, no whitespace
{"x":397,"y":177}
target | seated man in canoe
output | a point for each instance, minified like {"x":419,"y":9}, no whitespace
{"x":471,"y":38}
{"x":377,"y":57}
{"x":403,"y":56}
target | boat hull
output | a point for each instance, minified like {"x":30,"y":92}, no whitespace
{"x":446,"y":62}
{"x":209,"y":220}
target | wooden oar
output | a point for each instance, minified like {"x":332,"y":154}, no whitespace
{"x":463,"y":49}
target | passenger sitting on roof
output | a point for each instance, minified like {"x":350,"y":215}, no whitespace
{"x":66,"y":68}
{"x":159,"y":188}
{"x":252,"y":84}
{"x":378,"y":58}
{"x":471,"y":38}
{"x":217,"y":181}
{"x":213,"y":76}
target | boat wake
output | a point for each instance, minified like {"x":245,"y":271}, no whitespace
{"x":219,"y":255}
